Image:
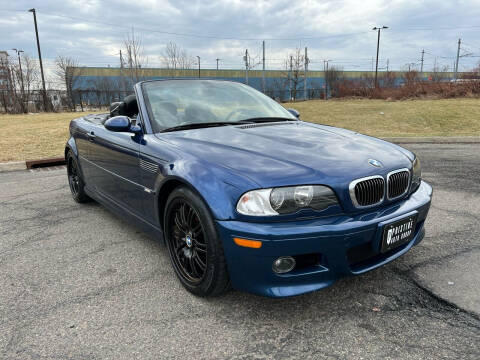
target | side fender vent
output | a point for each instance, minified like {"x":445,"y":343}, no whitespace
{"x":148,"y":166}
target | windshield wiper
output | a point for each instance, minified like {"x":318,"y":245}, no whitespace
{"x":268,"y":119}
{"x":205,"y":125}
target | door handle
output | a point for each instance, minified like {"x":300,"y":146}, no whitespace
{"x":91,"y":135}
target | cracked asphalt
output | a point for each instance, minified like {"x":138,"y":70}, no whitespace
{"x":78,"y":283}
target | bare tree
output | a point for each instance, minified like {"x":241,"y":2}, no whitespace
{"x":7,"y":86}
{"x":31,"y":77}
{"x":387,"y":79}
{"x":20,"y":84}
{"x":66,"y":70}
{"x":439,"y":73}
{"x":136,"y":60}
{"x":333,"y":76}
{"x":277,"y":88}
{"x":175,"y":57}
{"x":410,"y":77}
{"x":294,"y":65}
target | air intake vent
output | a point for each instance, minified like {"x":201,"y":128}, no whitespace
{"x":397,"y":183}
{"x":148,"y":166}
{"x":249,"y":126}
{"x":367,"y":191}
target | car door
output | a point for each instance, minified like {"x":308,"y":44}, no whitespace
{"x":83,"y":143}
{"x":116,"y":171}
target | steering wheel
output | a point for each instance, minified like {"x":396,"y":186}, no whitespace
{"x":238,"y":112}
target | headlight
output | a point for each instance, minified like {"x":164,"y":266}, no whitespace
{"x":285,"y":200}
{"x":416,"y":175}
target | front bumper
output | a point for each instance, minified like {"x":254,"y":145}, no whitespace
{"x":345,"y":245}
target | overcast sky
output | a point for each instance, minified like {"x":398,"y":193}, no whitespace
{"x":92,"y":31}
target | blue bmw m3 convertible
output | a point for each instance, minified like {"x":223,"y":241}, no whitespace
{"x":245,"y":194}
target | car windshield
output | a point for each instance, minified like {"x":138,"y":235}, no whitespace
{"x":173,"y":103}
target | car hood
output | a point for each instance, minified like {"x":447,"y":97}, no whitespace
{"x":288,"y":153}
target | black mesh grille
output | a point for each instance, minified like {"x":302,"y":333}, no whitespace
{"x":369,"y":192}
{"x":398,"y":184}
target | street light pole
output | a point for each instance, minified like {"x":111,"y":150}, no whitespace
{"x":21,"y":77}
{"x":198,"y":65}
{"x":20,"y":66}
{"x":40,"y":58}
{"x":217,"y":63}
{"x":378,"y":48}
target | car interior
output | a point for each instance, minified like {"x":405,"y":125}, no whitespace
{"x":165,"y":113}
{"x":127,"y":107}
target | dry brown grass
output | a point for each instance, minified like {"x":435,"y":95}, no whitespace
{"x":33,"y":136}
{"x":36,"y":136}
{"x":446,"y":117}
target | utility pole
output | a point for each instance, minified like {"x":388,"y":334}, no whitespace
{"x":217,"y":63}
{"x":458,"y":56}
{"x":290,"y":76}
{"x":305,"y":95}
{"x":40,"y":59}
{"x":263,"y":66}
{"x":388,"y":61}
{"x":198,"y":57}
{"x":421,"y":66}
{"x":378,"y":48}
{"x":246,"y":66}
{"x":122,"y":74}
{"x":325,"y":75}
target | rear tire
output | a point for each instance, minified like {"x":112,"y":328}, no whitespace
{"x":195,"y":249}
{"x":75,"y":181}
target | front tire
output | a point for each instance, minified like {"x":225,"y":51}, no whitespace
{"x":195,"y":249}
{"x":75,"y":181}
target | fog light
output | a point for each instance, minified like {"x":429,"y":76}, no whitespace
{"x":283,"y":264}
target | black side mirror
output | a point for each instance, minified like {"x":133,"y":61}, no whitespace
{"x":294,"y":113}
{"x":118,"y":124}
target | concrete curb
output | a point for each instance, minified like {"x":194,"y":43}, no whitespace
{"x":23,"y":165}
{"x":13,"y":166}
{"x":30,"y":164}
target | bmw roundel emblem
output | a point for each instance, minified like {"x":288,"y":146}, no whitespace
{"x":188,"y":240}
{"x":375,"y":163}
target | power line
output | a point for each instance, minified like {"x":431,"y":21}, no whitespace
{"x":200,"y":35}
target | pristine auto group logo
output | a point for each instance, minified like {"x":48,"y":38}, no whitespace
{"x":399,"y":233}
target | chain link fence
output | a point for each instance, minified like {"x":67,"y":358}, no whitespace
{"x":15,"y":101}
{"x":90,"y":100}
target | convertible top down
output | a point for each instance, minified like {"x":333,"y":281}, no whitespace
{"x":244,"y":193}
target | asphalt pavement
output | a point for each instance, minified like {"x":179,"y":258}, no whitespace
{"x":76,"y":282}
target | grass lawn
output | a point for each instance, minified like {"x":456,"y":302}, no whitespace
{"x":36,"y":136}
{"x":446,"y":117}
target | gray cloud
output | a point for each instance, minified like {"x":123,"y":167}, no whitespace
{"x":92,"y":31}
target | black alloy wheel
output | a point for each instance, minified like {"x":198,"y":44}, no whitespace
{"x":75,"y":181}
{"x":195,"y":249}
{"x":188,"y":242}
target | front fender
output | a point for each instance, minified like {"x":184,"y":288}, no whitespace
{"x":218,"y":187}
{"x":71,"y":145}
